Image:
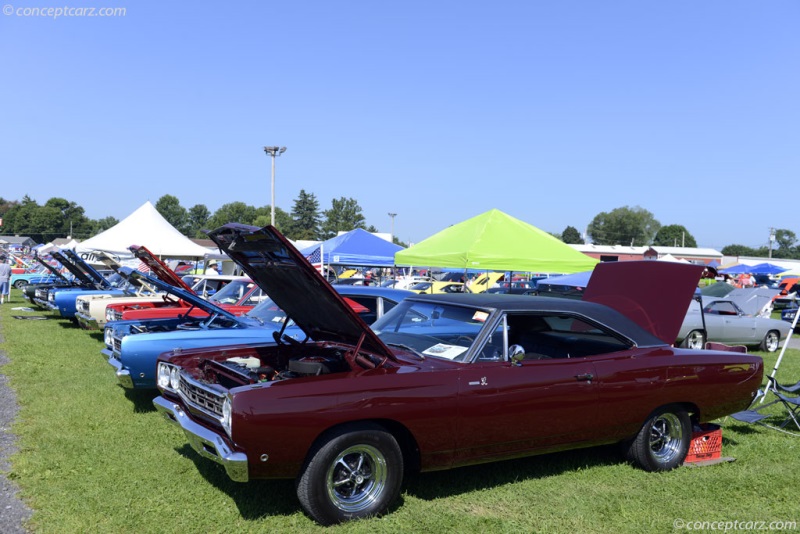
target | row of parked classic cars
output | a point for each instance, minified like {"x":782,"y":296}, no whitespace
{"x":349,"y":389}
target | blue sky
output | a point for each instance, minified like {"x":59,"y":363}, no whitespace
{"x":551,"y":111}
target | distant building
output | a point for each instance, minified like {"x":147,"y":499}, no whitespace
{"x":704,"y":256}
{"x":16,"y":242}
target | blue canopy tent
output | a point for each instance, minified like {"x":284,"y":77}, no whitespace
{"x":737,"y":269}
{"x":767,"y":268}
{"x":356,"y":248}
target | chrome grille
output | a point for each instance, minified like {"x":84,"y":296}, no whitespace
{"x":41,"y":294}
{"x":83,"y":305}
{"x":117,"y":344}
{"x":200,"y":397}
{"x":117,"y":315}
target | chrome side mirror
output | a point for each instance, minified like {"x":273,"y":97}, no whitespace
{"x":516,"y":353}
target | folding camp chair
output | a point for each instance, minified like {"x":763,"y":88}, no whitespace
{"x":790,"y":404}
{"x":713,"y":345}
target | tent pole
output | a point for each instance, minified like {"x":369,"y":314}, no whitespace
{"x":780,"y":357}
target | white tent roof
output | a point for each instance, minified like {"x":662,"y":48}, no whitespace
{"x":144,"y":227}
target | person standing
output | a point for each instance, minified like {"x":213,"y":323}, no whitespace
{"x":5,"y":277}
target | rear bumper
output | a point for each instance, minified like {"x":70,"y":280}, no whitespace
{"x":207,"y":443}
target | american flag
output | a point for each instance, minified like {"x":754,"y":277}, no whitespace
{"x":143,"y":268}
{"x":315,"y":259}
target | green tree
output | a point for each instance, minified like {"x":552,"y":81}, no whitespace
{"x":69,"y":217}
{"x":786,"y":240}
{"x":198,"y":216}
{"x":305,"y":217}
{"x":571,"y":236}
{"x":737,"y":250}
{"x":101,"y":225}
{"x":674,"y":235}
{"x":624,"y":226}
{"x":170,"y":208}
{"x":344,"y":215}
{"x":233,"y":212}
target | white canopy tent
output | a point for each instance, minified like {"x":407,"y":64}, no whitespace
{"x":148,"y":228}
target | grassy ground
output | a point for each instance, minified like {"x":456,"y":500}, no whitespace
{"x":93,"y":459}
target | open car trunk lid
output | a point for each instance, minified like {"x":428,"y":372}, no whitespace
{"x":654,"y":294}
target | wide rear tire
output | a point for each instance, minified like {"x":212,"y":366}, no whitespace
{"x":663,"y":441}
{"x":351,"y":474}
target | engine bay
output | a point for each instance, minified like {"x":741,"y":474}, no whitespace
{"x":252,"y":366}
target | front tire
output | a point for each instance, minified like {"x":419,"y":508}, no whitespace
{"x":354,"y":473}
{"x":771,"y":341}
{"x":663,"y":441}
{"x":694,"y":340}
{"x":20,"y":284}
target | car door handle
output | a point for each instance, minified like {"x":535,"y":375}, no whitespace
{"x":586,"y":377}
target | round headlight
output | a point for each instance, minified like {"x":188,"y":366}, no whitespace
{"x":109,"y":315}
{"x":163,"y":375}
{"x":174,"y":378}
{"x":108,"y":337}
{"x":226,"y":415}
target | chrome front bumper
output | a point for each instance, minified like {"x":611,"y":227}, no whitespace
{"x":207,"y":443}
{"x":123,"y":375}
{"x":87,"y":322}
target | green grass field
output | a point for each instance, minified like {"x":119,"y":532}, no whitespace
{"x":93,"y":459}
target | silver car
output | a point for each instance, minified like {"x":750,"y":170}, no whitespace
{"x":725,"y":322}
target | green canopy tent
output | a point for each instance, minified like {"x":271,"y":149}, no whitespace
{"x":495,"y":241}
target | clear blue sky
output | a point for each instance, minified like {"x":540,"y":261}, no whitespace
{"x":551,"y":111}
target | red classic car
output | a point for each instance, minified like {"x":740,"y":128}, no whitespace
{"x":442,"y":381}
{"x":238,"y":296}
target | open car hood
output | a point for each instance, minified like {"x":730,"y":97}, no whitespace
{"x":295,"y":286}
{"x":654,"y":294}
{"x":55,"y":272}
{"x":79,"y":275}
{"x":90,"y":271}
{"x":187,"y":296}
{"x":158,"y":267}
{"x":111,"y":263}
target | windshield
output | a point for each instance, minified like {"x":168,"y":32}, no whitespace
{"x":432,"y":329}
{"x":232,"y":292}
{"x":269,"y":312}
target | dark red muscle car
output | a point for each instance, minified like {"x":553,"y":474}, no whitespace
{"x":443,"y":381}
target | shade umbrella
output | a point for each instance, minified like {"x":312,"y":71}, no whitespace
{"x":767,"y":268}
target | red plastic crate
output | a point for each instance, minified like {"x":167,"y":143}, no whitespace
{"x":706,"y":444}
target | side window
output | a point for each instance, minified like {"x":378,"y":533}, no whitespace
{"x":552,"y":336}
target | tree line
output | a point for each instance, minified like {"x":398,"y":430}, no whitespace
{"x":632,"y":226}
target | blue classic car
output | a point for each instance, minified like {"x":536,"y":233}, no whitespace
{"x":133,"y":346}
{"x":64,"y":300}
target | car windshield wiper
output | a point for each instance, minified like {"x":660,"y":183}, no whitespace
{"x":407,"y":348}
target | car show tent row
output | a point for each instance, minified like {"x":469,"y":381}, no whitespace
{"x":495,"y":241}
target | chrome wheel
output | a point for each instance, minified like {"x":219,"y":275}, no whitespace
{"x":353,"y":472}
{"x":666,"y":438}
{"x":663,"y":440}
{"x":695,"y":340}
{"x":357,"y":478}
{"x":771,"y":341}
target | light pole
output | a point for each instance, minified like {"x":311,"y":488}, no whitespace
{"x":392,"y":215}
{"x":273,"y":151}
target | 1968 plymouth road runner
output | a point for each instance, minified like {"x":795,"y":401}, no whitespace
{"x":443,"y":381}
